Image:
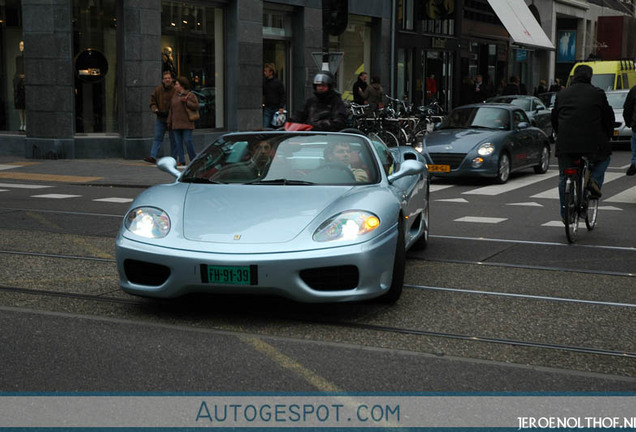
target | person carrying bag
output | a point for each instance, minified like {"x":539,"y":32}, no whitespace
{"x":184,"y":110}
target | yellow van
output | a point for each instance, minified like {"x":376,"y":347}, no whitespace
{"x":610,"y":74}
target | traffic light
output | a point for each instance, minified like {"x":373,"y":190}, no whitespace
{"x":335,"y":15}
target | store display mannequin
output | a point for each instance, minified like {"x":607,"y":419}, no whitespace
{"x":18,"y":88}
{"x":168,"y":65}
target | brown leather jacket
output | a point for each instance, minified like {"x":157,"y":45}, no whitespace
{"x":160,"y":101}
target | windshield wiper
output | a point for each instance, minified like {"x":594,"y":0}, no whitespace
{"x":200,"y":180}
{"x":281,"y":181}
{"x":482,"y":127}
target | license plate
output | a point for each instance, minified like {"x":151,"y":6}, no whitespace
{"x":439,"y":168}
{"x":229,"y":275}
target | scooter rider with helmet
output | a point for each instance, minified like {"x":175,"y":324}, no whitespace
{"x":325,"y":110}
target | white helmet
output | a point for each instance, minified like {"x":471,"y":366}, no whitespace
{"x":279,"y":119}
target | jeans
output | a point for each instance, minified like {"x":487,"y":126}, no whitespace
{"x":633,"y":147}
{"x":597,"y":172}
{"x":268,"y":115}
{"x":181,"y":137}
{"x":160,"y":132}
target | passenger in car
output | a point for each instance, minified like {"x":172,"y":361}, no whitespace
{"x":341,"y":152}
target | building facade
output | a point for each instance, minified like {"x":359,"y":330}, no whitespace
{"x":76,"y":75}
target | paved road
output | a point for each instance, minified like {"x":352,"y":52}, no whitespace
{"x":469,"y":316}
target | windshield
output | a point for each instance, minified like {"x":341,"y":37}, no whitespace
{"x":548,"y":99}
{"x":285,"y":159}
{"x":604,"y":81}
{"x":523,"y":103}
{"x":617,"y":100}
{"x":478,"y":117}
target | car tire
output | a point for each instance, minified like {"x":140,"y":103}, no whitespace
{"x":399,"y":267}
{"x":544,"y":163}
{"x":422,"y":242}
{"x":503,"y":168}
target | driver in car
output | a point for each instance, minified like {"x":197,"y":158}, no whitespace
{"x":260,"y":155}
{"x":341,"y":152}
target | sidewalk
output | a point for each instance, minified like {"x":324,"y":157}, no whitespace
{"x":103,"y":172}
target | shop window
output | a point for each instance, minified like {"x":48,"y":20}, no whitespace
{"x":405,"y":14}
{"x":192,"y":47}
{"x":277,"y":36}
{"x":12,"y":97}
{"x":95,"y":61}
{"x":355,"y":41}
{"x":437,"y":17}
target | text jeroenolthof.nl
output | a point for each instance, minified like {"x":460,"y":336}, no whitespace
{"x":577,"y":422}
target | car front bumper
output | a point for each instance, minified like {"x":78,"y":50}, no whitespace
{"x":281,"y":274}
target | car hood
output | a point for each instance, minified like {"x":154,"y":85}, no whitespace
{"x":255,"y":214}
{"x":458,"y":140}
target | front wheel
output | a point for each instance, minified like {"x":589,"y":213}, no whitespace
{"x":503,"y":168}
{"x":591,"y":214}
{"x":399,"y":267}
{"x":571,"y":210}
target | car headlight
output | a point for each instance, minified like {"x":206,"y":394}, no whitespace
{"x":148,"y":222}
{"x":486,"y":149}
{"x":347,"y":225}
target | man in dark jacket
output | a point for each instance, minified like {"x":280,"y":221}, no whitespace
{"x":325,"y":111}
{"x":629,"y":115}
{"x":583,"y":121}
{"x":359,"y":87}
{"x":512,"y":88}
{"x":274,"y":96}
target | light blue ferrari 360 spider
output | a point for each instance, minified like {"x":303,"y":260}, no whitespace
{"x":312,"y":216}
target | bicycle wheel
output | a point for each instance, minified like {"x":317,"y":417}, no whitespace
{"x":570,"y":199}
{"x":388,"y":138}
{"x":591,"y":214}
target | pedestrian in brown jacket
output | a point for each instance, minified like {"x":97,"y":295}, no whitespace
{"x":160,"y":106}
{"x":178,"y":120}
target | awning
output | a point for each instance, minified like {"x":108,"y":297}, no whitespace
{"x":521,"y":24}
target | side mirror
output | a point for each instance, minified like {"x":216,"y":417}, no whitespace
{"x":169,"y":164}
{"x":407,"y":168}
{"x":523,"y":125}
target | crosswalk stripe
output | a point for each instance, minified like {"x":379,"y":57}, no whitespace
{"x":627,"y":196}
{"x":511,"y":185}
{"x":455,"y":200}
{"x":476,"y":219}
{"x":436,"y":187}
{"x":55,"y":196}
{"x":114,"y":200}
{"x":526,"y":204}
{"x":23,"y":186}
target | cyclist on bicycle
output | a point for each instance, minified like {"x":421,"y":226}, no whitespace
{"x":583,"y":122}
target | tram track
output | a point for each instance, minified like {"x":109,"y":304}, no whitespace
{"x":294,"y":318}
{"x":419,"y":287}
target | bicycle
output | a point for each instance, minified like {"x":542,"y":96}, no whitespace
{"x":577,"y":199}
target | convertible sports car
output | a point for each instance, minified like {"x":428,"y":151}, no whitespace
{"x":486,"y":140}
{"x":315,"y":217}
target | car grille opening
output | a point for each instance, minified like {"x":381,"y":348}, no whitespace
{"x":145,"y":273}
{"x":337,"y":278}
{"x":452,"y":159}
